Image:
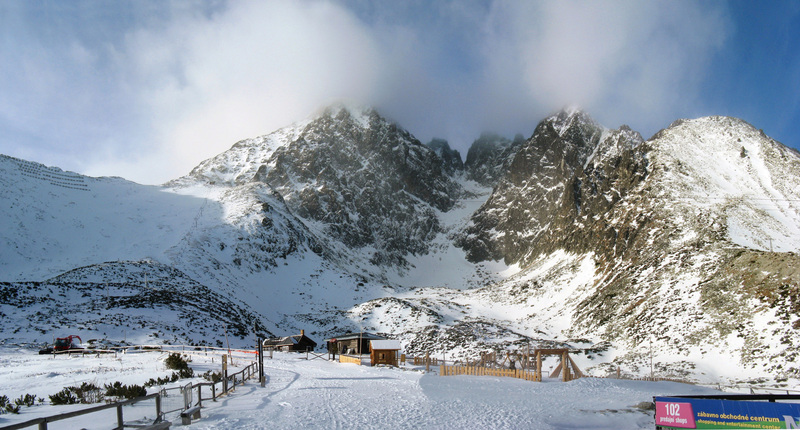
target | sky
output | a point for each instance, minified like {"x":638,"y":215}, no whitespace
{"x":147,"y":89}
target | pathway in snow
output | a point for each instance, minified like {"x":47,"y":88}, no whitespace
{"x":319,"y":394}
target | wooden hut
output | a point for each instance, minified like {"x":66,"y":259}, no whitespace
{"x":352,"y":343}
{"x":384,"y":352}
{"x":296,"y":343}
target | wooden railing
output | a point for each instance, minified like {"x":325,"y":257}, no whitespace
{"x":227,"y":385}
{"x":486,"y":371}
{"x":421,"y":361}
{"x":349,"y":359}
{"x":42,"y":422}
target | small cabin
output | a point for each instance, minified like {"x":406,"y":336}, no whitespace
{"x":296,"y":343}
{"x":384,"y":352}
{"x":352,"y":343}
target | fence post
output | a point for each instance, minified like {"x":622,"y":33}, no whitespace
{"x":213,"y":391}
{"x":199,"y":395}
{"x":120,"y":421}
{"x":224,"y":373}
{"x":158,"y":407}
{"x":538,"y":371}
{"x":261,"y":378}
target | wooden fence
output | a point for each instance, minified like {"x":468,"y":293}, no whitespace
{"x":42,"y":422}
{"x":349,"y":359}
{"x":486,"y":371}
{"x":421,"y":361}
{"x":186,"y":402}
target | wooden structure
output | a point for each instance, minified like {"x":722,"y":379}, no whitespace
{"x":566,"y":367}
{"x":486,"y":371}
{"x":349,"y":359}
{"x":296,"y":343}
{"x":384,"y":352}
{"x":352,"y":343}
{"x":516,"y":365}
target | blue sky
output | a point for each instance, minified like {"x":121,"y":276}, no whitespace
{"x":148,"y":89}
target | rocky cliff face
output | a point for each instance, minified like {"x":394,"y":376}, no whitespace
{"x":359,"y":178}
{"x":489,"y":158}
{"x":451,"y":158}
{"x":552,"y":180}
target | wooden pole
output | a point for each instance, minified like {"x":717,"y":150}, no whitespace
{"x":575,"y":370}
{"x":224,"y":373}
{"x":261,"y":378}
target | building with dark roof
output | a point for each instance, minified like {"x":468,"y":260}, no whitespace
{"x":296,"y":343}
{"x":352,"y":343}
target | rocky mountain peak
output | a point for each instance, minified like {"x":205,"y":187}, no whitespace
{"x":489,"y":156}
{"x":451,"y":158}
{"x":365,"y":180}
{"x":542,"y":186}
{"x":572,"y":124}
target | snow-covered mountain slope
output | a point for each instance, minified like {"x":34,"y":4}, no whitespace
{"x":580,"y":236}
{"x":123,"y":302}
{"x":54,"y":221}
{"x":726,"y":166}
{"x":351,"y":175}
{"x":208,"y":239}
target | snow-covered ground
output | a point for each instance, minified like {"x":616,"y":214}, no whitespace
{"x":304,"y":393}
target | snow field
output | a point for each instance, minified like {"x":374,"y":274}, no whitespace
{"x":302,"y":393}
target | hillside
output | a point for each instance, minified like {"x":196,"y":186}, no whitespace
{"x":682,"y":246}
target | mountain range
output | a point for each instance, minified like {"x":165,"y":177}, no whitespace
{"x":676,"y":253}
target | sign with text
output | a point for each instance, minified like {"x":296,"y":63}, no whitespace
{"x":686,"y":413}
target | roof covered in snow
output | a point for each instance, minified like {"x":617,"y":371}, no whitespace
{"x":385,"y":344}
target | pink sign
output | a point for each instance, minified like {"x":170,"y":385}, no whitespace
{"x":675,"y":414}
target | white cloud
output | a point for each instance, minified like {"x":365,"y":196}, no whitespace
{"x":621,"y":61}
{"x":180,"y":84}
{"x":255,"y":67}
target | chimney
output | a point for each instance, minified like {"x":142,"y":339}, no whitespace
{"x":302,"y":332}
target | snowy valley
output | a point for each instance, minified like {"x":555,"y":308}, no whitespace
{"x":680,"y":250}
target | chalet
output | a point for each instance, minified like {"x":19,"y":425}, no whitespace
{"x":384,"y":352}
{"x":296,"y":343}
{"x":352,"y":343}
